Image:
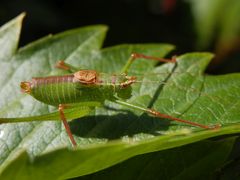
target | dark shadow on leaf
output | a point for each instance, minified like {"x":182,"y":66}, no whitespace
{"x":160,"y":87}
{"x":116,"y":126}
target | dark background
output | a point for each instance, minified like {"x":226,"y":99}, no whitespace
{"x":129,"y":21}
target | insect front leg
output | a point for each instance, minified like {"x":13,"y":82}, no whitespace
{"x":66,"y":125}
{"x":65,"y":66}
{"x":135,"y":56}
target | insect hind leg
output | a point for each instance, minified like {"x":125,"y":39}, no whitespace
{"x":165,"y":116}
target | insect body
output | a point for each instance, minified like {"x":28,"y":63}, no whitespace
{"x":84,"y":85}
{"x":88,"y":86}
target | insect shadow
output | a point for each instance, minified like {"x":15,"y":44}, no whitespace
{"x":116,"y":126}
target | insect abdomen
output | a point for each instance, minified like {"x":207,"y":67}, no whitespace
{"x":54,"y":90}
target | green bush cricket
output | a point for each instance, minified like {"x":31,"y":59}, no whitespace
{"x":86,"y":86}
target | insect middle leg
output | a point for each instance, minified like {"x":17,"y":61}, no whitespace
{"x":135,"y":56}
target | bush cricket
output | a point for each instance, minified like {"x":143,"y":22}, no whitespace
{"x":83,"y":85}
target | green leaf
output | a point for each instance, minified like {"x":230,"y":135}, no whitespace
{"x":9,"y":37}
{"x":36,"y":59}
{"x":112,"y":134}
{"x":192,"y":161}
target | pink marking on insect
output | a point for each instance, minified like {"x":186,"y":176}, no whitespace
{"x":114,"y":79}
{"x":51,"y":79}
{"x":130,"y":80}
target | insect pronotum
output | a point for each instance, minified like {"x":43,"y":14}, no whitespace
{"x":88,"y":86}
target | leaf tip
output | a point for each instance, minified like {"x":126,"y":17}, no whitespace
{"x":19,"y":18}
